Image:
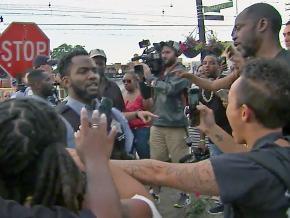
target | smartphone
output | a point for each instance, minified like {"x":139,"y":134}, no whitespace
{"x":193,"y":101}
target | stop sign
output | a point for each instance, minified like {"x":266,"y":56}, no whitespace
{"x":20,"y":43}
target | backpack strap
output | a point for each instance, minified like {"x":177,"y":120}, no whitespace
{"x":276,"y":160}
{"x":69,"y":114}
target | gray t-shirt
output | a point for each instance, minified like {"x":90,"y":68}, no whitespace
{"x":247,"y":189}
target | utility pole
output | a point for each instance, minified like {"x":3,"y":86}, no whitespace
{"x":201,"y":27}
{"x":237,"y":9}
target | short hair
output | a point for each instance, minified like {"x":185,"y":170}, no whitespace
{"x":265,"y":88}
{"x":66,"y":60}
{"x":34,"y":76}
{"x":212,"y":55}
{"x":263,"y":10}
{"x":288,"y":23}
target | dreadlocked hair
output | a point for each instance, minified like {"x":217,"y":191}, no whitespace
{"x":33,"y":160}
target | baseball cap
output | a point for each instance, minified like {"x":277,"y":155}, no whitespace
{"x":172,"y":44}
{"x":43,"y":60}
{"x":98,"y":52}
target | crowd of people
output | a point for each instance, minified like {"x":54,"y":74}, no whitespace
{"x":92,"y":153}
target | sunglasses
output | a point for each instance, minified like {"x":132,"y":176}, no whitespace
{"x":127,"y":81}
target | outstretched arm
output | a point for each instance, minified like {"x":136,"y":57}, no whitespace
{"x":223,"y":83}
{"x":197,"y":177}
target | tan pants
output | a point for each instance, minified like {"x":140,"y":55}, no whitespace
{"x":166,"y":143}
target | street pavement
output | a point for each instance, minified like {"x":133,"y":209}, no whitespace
{"x":168,"y":197}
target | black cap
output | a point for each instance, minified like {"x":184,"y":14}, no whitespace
{"x":172,"y":44}
{"x":43,"y":60}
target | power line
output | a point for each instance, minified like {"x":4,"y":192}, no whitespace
{"x":128,"y":25}
{"x":94,"y":12}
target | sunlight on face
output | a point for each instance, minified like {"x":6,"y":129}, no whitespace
{"x":234,"y":113}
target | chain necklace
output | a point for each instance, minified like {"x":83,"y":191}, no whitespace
{"x":204,"y":97}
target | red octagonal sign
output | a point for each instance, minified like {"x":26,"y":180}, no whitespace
{"x":20,"y":43}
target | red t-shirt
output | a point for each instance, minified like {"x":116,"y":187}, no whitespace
{"x":135,"y":105}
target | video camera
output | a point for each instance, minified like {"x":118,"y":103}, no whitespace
{"x":151,"y":56}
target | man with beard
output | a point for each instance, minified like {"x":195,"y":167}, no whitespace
{"x":263,"y":22}
{"x":168,"y":132}
{"x":41,"y":84}
{"x":107,"y":88}
{"x":80,"y":76}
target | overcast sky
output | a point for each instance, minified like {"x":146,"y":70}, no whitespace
{"x":119,"y":41}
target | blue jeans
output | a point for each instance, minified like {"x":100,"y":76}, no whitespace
{"x":214,"y":150}
{"x":141,"y":142}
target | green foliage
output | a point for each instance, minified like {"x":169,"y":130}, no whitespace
{"x":63,"y":49}
{"x":198,"y":207}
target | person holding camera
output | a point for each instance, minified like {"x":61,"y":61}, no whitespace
{"x":168,"y":132}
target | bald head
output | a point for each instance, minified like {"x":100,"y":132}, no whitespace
{"x":262,"y":10}
{"x":256,"y":28}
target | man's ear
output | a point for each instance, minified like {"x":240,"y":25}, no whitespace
{"x":263,"y":24}
{"x":246,"y":113}
{"x":65,"y":81}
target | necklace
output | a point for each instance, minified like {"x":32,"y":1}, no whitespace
{"x":204,"y":97}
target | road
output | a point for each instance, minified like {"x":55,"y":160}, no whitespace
{"x":167,"y":199}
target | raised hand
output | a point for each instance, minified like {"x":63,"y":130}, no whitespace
{"x":207,"y":119}
{"x":93,"y":141}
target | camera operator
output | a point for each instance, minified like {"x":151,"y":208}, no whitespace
{"x":168,"y":132}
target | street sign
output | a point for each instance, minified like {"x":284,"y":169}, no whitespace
{"x":214,"y":17}
{"x":20,"y":43}
{"x":217,"y":8}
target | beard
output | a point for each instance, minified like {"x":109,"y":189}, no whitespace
{"x":169,"y":62}
{"x":47,"y":91}
{"x":250,"y":46}
{"x":247,"y":51}
{"x":84,"y":93}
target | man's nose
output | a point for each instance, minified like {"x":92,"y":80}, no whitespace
{"x":234,"y":35}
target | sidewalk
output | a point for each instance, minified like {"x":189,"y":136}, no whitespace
{"x":167,"y":199}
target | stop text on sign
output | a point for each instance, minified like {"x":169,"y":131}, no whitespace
{"x":22,"y":50}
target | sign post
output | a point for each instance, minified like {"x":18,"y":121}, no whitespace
{"x":20,"y":43}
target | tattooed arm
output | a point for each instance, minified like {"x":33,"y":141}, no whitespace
{"x":197,"y":177}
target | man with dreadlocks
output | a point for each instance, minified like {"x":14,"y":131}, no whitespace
{"x":36,"y":169}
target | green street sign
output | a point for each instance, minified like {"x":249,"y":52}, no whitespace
{"x":219,"y":7}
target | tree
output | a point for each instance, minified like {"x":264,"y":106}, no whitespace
{"x":63,"y":49}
